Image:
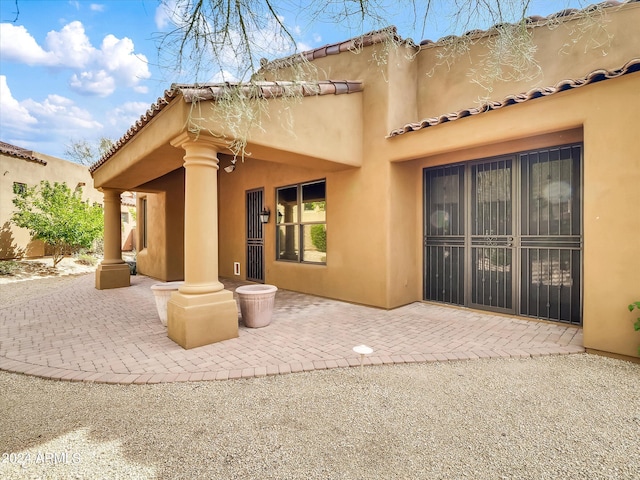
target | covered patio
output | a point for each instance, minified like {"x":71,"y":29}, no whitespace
{"x":66,"y":329}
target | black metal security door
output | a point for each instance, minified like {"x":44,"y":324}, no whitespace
{"x":506,"y":234}
{"x":444,"y":235}
{"x":255,"y":236}
{"x":492,"y":235}
{"x":551,"y":234}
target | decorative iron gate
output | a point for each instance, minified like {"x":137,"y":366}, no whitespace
{"x":505,"y":234}
{"x":255,"y":236}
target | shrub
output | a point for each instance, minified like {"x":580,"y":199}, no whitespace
{"x":636,"y":325}
{"x":86,"y":259}
{"x":8,"y":267}
{"x":58,"y":216}
{"x":319,"y":237}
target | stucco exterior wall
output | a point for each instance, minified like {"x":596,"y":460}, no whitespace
{"x":374,"y":191}
{"x":163,"y":256}
{"x":607,"y":113}
{"x":560,"y":51}
{"x":354,"y":237}
{"x":16,"y":242}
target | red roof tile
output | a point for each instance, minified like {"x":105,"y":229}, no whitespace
{"x":353,"y":44}
{"x":269,"y":89}
{"x":19,"y":152}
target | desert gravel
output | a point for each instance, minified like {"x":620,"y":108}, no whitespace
{"x":558,"y":417}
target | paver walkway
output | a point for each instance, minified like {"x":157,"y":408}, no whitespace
{"x":72,"y":331}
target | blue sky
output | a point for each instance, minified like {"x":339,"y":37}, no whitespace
{"x":81,"y":70}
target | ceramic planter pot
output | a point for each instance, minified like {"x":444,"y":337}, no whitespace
{"x":162,"y":293}
{"x":256,"y":304}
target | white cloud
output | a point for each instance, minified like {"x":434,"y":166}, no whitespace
{"x":98,"y":83}
{"x":41,"y":125}
{"x":95,"y":71}
{"x":119,"y":57}
{"x":62,"y":114}
{"x":71,"y":46}
{"x":166,"y":14}
{"x":14,"y":116}
{"x":97,"y":7}
{"x":125,"y":115}
{"x":16,"y":44}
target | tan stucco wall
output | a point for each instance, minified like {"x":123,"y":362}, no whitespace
{"x":352,"y":228}
{"x":609,"y":112}
{"x":567,"y":50}
{"x":15,"y":241}
{"x":163,"y":258}
{"x":374,"y":203}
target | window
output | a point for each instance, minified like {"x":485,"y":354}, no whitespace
{"x":302,"y":223}
{"x":143,"y":232}
{"x":19,"y":188}
{"x":124,"y":217}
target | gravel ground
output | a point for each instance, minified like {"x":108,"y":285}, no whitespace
{"x":560,"y":417}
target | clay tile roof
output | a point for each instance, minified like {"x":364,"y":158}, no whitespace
{"x":593,"y":77}
{"x":213,"y":91}
{"x":18,"y":152}
{"x":268,"y":89}
{"x":353,"y":44}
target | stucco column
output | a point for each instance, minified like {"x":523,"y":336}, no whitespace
{"x":112,"y":272}
{"x":201,"y":215}
{"x":201,"y":312}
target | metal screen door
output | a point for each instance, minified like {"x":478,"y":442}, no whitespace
{"x":505,"y":234}
{"x":255,"y":236}
{"x":492,"y":235}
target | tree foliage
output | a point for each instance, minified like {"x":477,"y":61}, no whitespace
{"x":58,"y":216}
{"x":85,"y":153}
{"x":319,"y":237}
{"x":234,"y":41}
{"x":220,"y":38}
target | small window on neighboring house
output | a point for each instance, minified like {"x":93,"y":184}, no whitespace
{"x":302,"y":223}
{"x":19,"y":188}
{"x":124,"y":217}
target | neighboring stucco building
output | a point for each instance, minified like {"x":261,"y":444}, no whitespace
{"x":397,"y":185}
{"x":21,"y":168}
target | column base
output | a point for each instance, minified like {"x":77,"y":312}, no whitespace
{"x":197,"y":320}
{"x":113,"y":276}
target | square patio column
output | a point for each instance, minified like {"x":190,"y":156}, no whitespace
{"x":201,"y":312}
{"x":112,"y":272}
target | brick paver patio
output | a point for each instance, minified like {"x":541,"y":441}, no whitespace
{"x":75,"y":332}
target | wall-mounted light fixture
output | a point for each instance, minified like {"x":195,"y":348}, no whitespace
{"x":264,"y":215}
{"x":232,"y":167}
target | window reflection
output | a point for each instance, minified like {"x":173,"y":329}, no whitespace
{"x":301,"y":218}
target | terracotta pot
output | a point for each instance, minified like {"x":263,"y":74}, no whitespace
{"x":162,"y":292}
{"x":256,"y":304}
